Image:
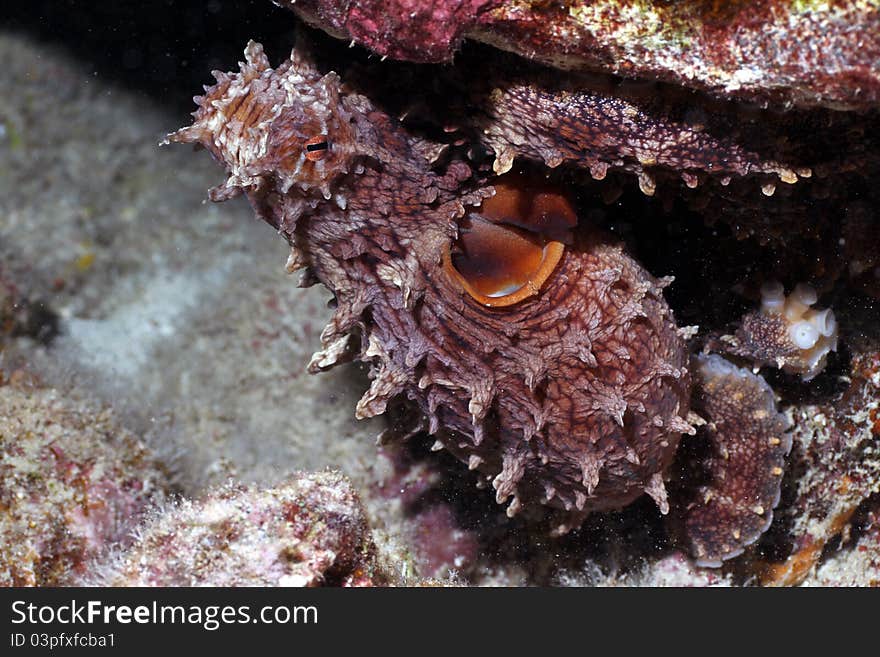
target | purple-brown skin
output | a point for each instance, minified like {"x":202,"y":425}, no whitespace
{"x":772,"y":51}
{"x":599,"y":126}
{"x":749,"y":442}
{"x":725,"y":159}
{"x":572,"y":400}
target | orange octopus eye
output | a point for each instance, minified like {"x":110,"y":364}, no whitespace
{"x":508,"y":249}
{"x":317,"y":147}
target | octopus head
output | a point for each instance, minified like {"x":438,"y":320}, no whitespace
{"x":284,"y":129}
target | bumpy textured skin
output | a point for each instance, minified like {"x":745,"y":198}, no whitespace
{"x":749,"y":442}
{"x":790,"y":53}
{"x":758,"y":170}
{"x":575,"y":398}
{"x":764,"y":338}
{"x":761,"y":338}
{"x":600,"y":126}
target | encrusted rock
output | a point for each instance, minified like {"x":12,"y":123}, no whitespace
{"x":73,"y":484}
{"x":836,"y":456}
{"x":799,"y":53}
{"x":309,"y":531}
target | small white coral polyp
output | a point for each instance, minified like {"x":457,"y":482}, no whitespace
{"x":811,"y":330}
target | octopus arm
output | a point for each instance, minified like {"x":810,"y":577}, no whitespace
{"x":600,"y":132}
{"x":749,"y":442}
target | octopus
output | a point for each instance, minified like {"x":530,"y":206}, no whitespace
{"x":466,"y":273}
{"x":786,"y":332}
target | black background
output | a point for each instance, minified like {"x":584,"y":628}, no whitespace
{"x":164,"y":49}
{"x":494,"y":622}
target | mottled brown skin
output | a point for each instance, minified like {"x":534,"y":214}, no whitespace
{"x":575,"y":398}
{"x":762,"y":339}
{"x":572,"y":120}
{"x":748,"y":444}
{"x":582,"y":381}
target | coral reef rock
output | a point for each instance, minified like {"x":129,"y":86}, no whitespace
{"x":836,"y":457}
{"x":858,"y":564}
{"x":73,"y":484}
{"x":309,"y":531}
{"x":791,"y":53}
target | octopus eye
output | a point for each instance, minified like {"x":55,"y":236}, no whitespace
{"x":317,"y":147}
{"x":508,"y":249}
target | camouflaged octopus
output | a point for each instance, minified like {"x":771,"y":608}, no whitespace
{"x":536,"y":350}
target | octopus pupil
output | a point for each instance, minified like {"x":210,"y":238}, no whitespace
{"x":316,"y":148}
{"x":500,"y":264}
